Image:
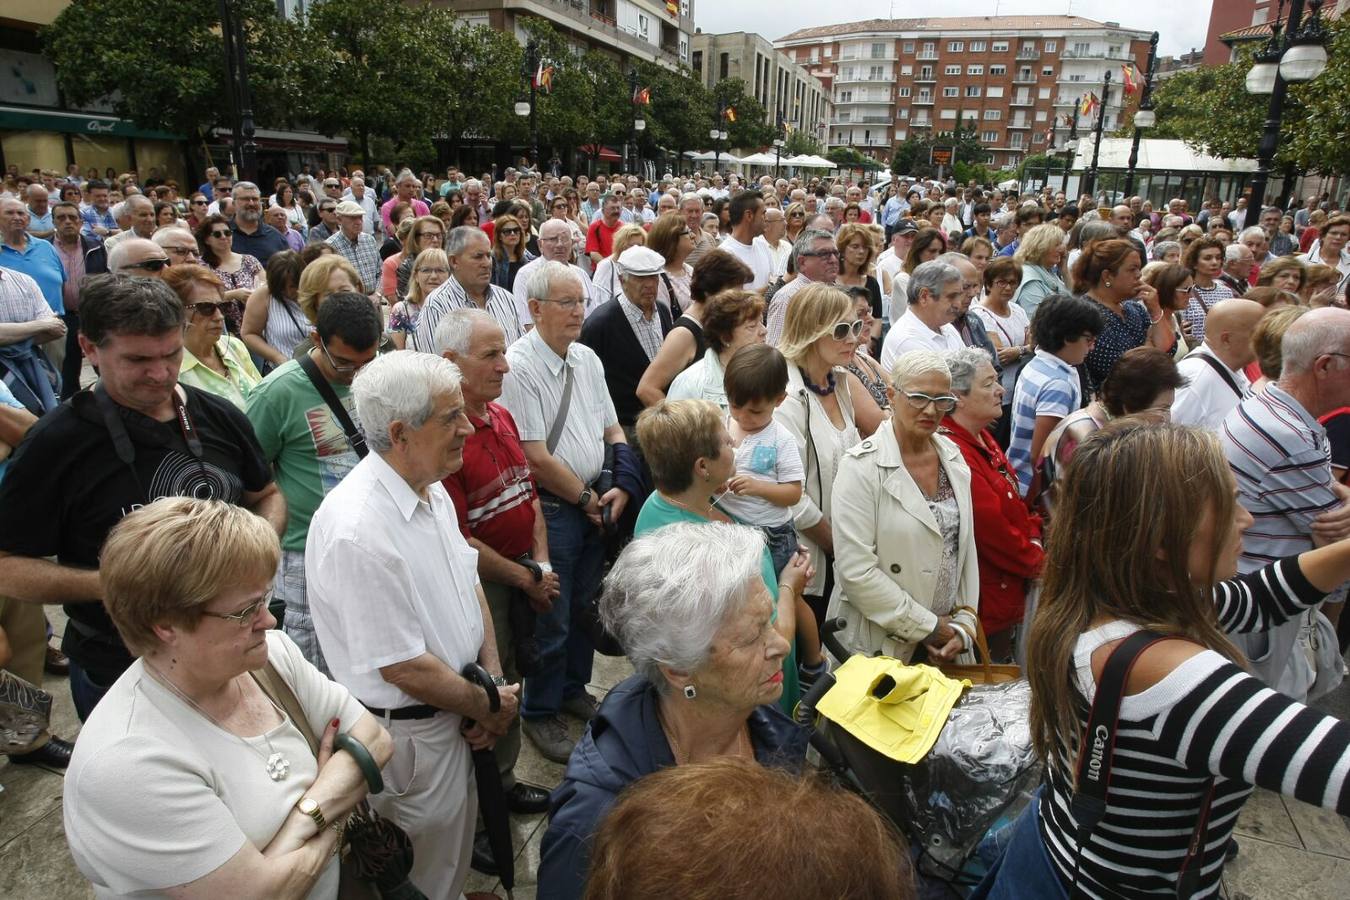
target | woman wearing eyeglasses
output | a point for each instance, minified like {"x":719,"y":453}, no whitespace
{"x":508,"y":251}
{"x":212,"y":360}
{"x":428,"y":232}
{"x":430,"y":270}
{"x":189,"y":778}
{"x":904,"y":528}
{"x":239,"y":273}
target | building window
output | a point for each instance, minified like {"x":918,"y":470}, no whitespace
{"x":972,"y":90}
{"x":876,"y":73}
{"x":956,"y":46}
{"x":952,"y":70}
{"x":1041,"y":115}
{"x":697,"y":63}
{"x":926,"y":73}
{"x":999,"y":47}
{"x":1028,"y":48}
{"x":993,"y":115}
{"x":845,"y":96}
{"x":1115,"y":51}
{"x":977,"y":46}
{"x":901,"y":134}
{"x":996,"y":91}
{"x":1051,"y":46}
{"x":1043,"y":93}
{"x":643,"y":23}
{"x":1038,"y":138}
{"x":989,"y":137}
{"x":684,"y":49}
{"x":723,"y":63}
{"x":1047,"y":70}
{"x":904,"y":92}
{"x":904,"y":112}
{"x":906,"y":70}
{"x":951,"y":92}
{"x":949,"y":114}
{"x":1081,"y":48}
{"x":908,"y":47}
{"x":929,"y":51}
{"x":974,"y":70}
{"x":879,"y":51}
{"x":995,"y":71}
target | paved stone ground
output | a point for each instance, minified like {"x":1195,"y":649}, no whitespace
{"x":1289,"y":850}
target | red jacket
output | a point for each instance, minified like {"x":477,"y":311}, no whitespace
{"x":1004,"y":530}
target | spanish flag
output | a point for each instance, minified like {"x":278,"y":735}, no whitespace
{"x":543,"y":78}
{"x":1089,"y":105}
{"x":730,"y":114}
{"x":643,"y":96}
{"x":1128,"y":79}
{"x":673,"y":7}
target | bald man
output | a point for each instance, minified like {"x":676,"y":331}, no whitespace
{"x":1214,"y":369}
{"x":138,"y":256}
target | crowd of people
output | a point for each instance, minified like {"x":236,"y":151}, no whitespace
{"x":350,"y":437}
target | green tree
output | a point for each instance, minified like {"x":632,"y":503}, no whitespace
{"x":912,"y":156}
{"x":801,"y":141}
{"x":750,"y":128}
{"x":679,"y":115}
{"x":176,"y":84}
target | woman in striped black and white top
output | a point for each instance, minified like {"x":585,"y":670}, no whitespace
{"x":1120,"y":559}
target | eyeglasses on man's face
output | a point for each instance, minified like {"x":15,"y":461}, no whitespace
{"x":566,"y":306}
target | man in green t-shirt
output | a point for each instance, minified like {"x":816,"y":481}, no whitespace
{"x":306,"y":443}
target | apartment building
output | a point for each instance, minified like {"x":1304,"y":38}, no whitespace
{"x":1014,"y":78}
{"x":653,"y":30}
{"x":780,"y":85}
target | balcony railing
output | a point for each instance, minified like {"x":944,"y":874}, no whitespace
{"x":1028,"y":54}
{"x":1063,"y":80}
{"x":865,"y":56}
{"x":864,"y":101}
{"x":1020,"y":101}
{"x":929,"y":55}
{"x":863,"y":79}
{"x":920,"y":123}
{"x":924,"y":101}
{"x":1097,"y":54}
{"x":1024,"y":79}
{"x":1017,"y":124}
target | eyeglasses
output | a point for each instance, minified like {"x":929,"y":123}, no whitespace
{"x":842,"y":331}
{"x":181,"y":251}
{"x":822,"y":253}
{"x":200,"y":203}
{"x":208,"y":307}
{"x":918,"y":400}
{"x":219,"y":234}
{"x":246,"y":615}
{"x":331,"y":184}
{"x":150,"y":265}
{"x":432,"y":270}
{"x":423,"y":235}
{"x":564,"y":305}
{"x":510,"y":231}
{"x":1007,"y":282}
{"x":342,"y":370}
{"x":796,"y":215}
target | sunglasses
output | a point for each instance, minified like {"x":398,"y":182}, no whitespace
{"x":200,"y":203}
{"x":219,"y":234}
{"x":151,"y":265}
{"x":845,"y":330}
{"x":246,"y":615}
{"x":208,"y":307}
{"x":510,"y":231}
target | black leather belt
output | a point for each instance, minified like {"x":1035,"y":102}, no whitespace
{"x":420,"y":711}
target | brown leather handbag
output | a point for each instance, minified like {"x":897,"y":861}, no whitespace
{"x":985,"y":671}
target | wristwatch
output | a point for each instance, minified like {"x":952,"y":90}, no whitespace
{"x":585,"y":499}
{"x":500,"y":680}
{"x":310,"y":807}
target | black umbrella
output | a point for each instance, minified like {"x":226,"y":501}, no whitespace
{"x":381,"y":854}
{"x":491,"y":797}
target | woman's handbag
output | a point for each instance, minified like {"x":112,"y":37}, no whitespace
{"x":25,"y":711}
{"x":985,"y":671}
{"x":373,"y":844}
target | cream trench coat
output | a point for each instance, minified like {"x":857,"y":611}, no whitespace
{"x":887,"y":548}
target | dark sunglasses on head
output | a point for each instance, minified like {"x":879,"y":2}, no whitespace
{"x":150,"y":265}
{"x":207,"y":307}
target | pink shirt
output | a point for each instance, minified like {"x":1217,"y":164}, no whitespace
{"x":72,"y":260}
{"x":419,"y":209}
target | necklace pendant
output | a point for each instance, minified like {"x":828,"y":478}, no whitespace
{"x":278,"y":767}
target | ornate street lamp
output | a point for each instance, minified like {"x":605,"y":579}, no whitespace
{"x":1091,"y":176}
{"x":1144,"y":117}
{"x":525,"y":107}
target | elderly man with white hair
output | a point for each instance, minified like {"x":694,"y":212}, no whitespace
{"x":469,"y":287}
{"x":556,"y":393}
{"x":626,"y":332}
{"x":555,"y":244}
{"x":400,"y":613}
{"x":1277,"y":450}
{"x":936,"y":293}
{"x":357,"y":193}
{"x":139,"y":214}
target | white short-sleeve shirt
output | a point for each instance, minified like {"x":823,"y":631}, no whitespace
{"x":532,"y":393}
{"x":910,"y":333}
{"x":1207,"y":398}
{"x":156,"y":795}
{"x":519,"y":292}
{"x":756,"y":256}
{"x":390,"y":577}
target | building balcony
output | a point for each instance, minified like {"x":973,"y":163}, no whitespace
{"x":1062,"y":80}
{"x":1015,"y":124}
{"x":862,"y":120}
{"x":864,"y":101}
{"x":924,"y":101}
{"x":863,"y":79}
{"x":1021,"y":101}
{"x":927,"y":56}
{"x":1028,"y":54}
{"x":596,"y":21}
{"x":920,"y":123}
{"x":1024,"y":79}
{"x":885,"y":57}
{"x":925,"y":79}
{"x":1120,"y":55}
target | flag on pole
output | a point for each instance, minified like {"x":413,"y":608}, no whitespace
{"x":730,"y":114}
{"x":543,"y":78}
{"x":1129,"y":80}
{"x":642,"y":96}
{"x":1090,"y":104}
{"x":673,"y":7}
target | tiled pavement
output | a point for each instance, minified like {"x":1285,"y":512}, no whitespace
{"x":1289,"y":850}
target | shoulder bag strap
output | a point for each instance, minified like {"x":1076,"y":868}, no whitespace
{"x":1095,"y":753}
{"x":354,"y":436}
{"x":556,"y":429}
{"x":670,"y":295}
{"x":280,"y":693}
{"x":1219,"y":367}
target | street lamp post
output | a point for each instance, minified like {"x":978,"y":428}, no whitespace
{"x":241,"y":106}
{"x":1300,"y":56}
{"x":527,"y":107}
{"x":1091,"y":177}
{"x":1144,"y":117}
{"x":1070,"y":149}
{"x":639,"y":123}
{"x":778,"y":144}
{"x":718,"y":135}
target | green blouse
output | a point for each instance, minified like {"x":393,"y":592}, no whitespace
{"x":657,"y":512}
{"x":243,"y":375}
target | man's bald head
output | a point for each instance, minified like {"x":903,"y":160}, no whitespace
{"x":1122,"y":216}
{"x":131,"y":254}
{"x":1228,"y":330}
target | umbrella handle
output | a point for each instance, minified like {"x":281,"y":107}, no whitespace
{"x":476,"y":674}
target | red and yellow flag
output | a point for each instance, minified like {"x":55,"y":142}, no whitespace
{"x":643,"y":96}
{"x":730,"y":114}
{"x":1089,"y":105}
{"x":543,"y":78}
{"x":673,"y":7}
{"x":1129,"y":80}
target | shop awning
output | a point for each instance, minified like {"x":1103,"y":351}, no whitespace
{"x":605,"y":153}
{"x":269,"y":139}
{"x":22,"y":118}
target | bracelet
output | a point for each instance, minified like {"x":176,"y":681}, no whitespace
{"x":1157,"y":320}
{"x":364,"y":761}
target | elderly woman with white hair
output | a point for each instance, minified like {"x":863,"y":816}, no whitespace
{"x":1041,"y":253}
{"x":904,"y":538}
{"x":191,"y":777}
{"x":690,"y":606}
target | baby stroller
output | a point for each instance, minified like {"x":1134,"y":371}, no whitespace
{"x":956,"y":803}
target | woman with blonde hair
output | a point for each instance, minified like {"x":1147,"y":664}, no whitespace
{"x":857,"y":251}
{"x":605,"y":281}
{"x":1268,"y":344}
{"x":1041,"y":253}
{"x":1194,"y":726}
{"x":430,"y":270}
{"x":427,"y":232}
{"x":819,"y":336}
{"x":1286,"y":273}
{"x":326,"y":275}
{"x":1319,"y":286}
{"x":795,"y":214}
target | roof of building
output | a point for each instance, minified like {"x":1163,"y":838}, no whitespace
{"x":953,"y":23}
{"x":1249,"y":33}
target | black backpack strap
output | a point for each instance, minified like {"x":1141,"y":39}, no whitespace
{"x":1219,"y":367}
{"x":1097,"y":748}
{"x":354,"y":435}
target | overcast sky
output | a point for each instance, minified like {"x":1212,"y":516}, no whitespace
{"x":1181,"y":24}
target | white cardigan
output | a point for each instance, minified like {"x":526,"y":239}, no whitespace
{"x":821,"y":446}
{"x":887,"y":547}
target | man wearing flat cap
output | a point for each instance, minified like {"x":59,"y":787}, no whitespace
{"x":627,"y":332}
{"x":357,"y":246}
